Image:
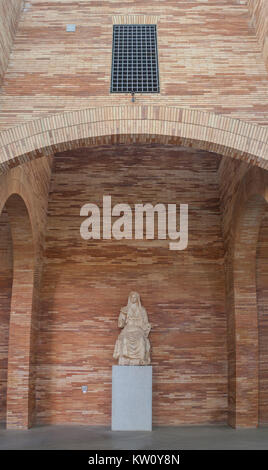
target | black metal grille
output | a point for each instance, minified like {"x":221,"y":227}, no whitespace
{"x":135,"y":60}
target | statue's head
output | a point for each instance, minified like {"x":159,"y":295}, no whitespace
{"x":134,"y":297}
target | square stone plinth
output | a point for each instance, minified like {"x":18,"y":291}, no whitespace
{"x":132,"y":398}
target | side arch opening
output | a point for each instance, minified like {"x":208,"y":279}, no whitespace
{"x":17,"y":281}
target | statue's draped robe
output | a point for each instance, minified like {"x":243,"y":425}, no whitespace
{"x":132,"y":346}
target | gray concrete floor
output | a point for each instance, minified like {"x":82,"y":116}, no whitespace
{"x":102,"y":438}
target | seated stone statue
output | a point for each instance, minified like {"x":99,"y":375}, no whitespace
{"x":132,"y":346}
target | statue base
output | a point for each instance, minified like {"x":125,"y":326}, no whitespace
{"x":132,"y":398}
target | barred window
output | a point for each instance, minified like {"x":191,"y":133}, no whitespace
{"x":135,"y":59}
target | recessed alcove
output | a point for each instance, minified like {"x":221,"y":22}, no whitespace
{"x":86,"y":282}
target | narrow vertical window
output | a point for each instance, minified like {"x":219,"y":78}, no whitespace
{"x":135,"y":59}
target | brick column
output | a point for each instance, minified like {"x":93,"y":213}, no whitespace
{"x":243,"y":317}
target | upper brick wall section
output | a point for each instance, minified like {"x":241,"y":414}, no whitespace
{"x":259,"y":13}
{"x":209,"y":59}
{"x":9,"y":15}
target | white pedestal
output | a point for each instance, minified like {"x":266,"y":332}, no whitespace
{"x":132,"y":398}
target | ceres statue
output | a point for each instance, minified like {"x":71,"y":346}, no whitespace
{"x":132,"y":346}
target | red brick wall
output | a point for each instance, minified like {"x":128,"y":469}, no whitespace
{"x":6,"y":272}
{"x":259,"y":11}
{"x":22,"y":219}
{"x":243,"y":191}
{"x":209,"y":59}
{"x":207,"y":63}
{"x":10,"y":11}
{"x":86,"y":282}
{"x":262,"y":297}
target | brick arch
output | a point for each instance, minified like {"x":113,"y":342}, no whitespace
{"x":134,"y":123}
{"x":250,"y":206}
{"x":20,"y":389}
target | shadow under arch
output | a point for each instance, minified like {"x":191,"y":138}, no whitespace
{"x":134,"y":124}
{"x":20,"y":380}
